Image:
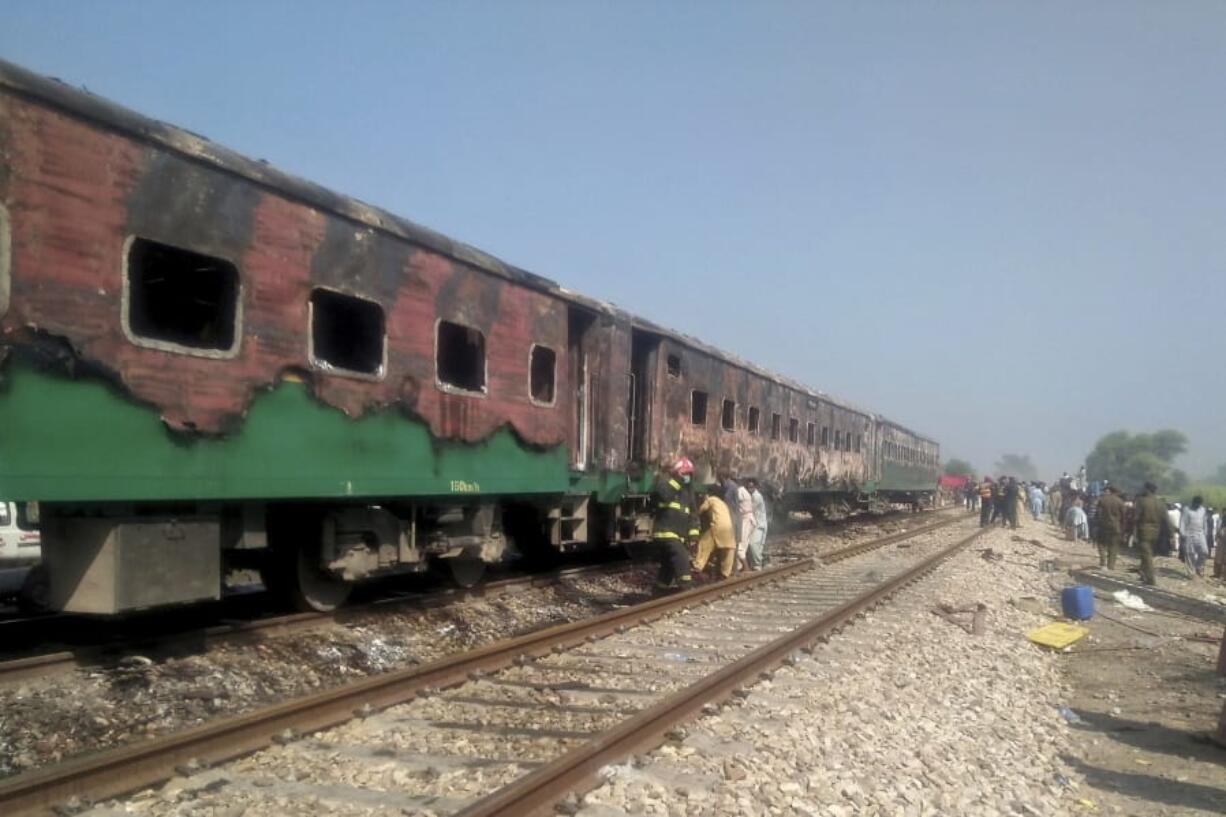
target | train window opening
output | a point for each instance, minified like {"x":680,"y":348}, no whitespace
{"x":826,"y":436}
{"x":347,"y":332}
{"x":460,"y":357}
{"x":793,"y":430}
{"x":181,"y":298}
{"x":776,"y":425}
{"x":673,"y":363}
{"x":755,"y":418}
{"x":542,"y":375}
{"x":858,"y":443}
{"x":838,"y":441}
{"x":728,"y":416}
{"x":698,"y":407}
{"x":812,"y":439}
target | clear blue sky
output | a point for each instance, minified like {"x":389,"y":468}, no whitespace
{"x":1004,"y":225}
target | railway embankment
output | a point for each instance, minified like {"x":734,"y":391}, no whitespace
{"x":132,"y":696}
{"x":905,"y":713}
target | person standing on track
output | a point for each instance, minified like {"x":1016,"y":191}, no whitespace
{"x":674,"y":524}
{"x":745,"y":524}
{"x":757,"y":540}
{"x":985,"y":502}
{"x":1013,"y":500}
{"x":729,"y":487}
{"x":717,"y":536}
{"x":1149,"y":517}
{"x":1110,"y":525}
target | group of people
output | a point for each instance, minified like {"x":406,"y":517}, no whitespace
{"x":1003,"y":501}
{"x":1099,"y":512}
{"x":693,"y":527}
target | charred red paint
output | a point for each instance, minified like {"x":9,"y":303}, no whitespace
{"x":82,"y":192}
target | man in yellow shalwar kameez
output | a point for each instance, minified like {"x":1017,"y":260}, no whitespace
{"x":717,"y":535}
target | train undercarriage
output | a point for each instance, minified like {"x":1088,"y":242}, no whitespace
{"x":110,"y":559}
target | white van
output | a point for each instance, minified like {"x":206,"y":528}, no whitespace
{"x":20,"y":543}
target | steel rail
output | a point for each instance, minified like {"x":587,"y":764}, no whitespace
{"x":33,"y":666}
{"x":574,"y":770}
{"x":133,"y":767}
{"x":255,"y":630}
{"x":129,"y":768}
{"x":848,"y":552}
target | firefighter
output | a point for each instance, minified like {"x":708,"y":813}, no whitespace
{"x":986,"y":491}
{"x":674,"y":524}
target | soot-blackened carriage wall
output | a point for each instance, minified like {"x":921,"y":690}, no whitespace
{"x":909,"y":463}
{"x":81,"y":198}
{"x":755,"y":425}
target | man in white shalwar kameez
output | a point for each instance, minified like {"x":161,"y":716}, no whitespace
{"x":744,"y":522}
{"x":1192,"y":534}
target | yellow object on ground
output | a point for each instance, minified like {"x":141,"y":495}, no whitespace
{"x":1057,"y":635}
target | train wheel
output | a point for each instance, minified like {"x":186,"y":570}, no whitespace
{"x":314,"y":589}
{"x":466,"y":572}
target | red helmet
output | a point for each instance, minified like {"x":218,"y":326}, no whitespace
{"x":682,"y":467}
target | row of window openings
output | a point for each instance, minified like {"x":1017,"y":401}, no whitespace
{"x":843,"y":441}
{"x":184,"y":299}
{"x":907,"y":454}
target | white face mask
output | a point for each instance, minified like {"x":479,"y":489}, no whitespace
{"x":685,"y":478}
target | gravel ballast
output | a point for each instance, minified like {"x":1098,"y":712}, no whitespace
{"x":902,"y":714}
{"x":135,"y":697}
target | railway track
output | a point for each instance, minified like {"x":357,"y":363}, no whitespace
{"x":112,"y":646}
{"x":523,"y":720}
{"x":245,"y":631}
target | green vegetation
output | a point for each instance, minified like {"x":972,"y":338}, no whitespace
{"x":1213,"y":495}
{"x":959,"y":468}
{"x":1016,"y":465}
{"x":1131,"y":460}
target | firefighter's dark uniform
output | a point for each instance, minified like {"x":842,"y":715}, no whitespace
{"x":674,"y":523}
{"x":1110,"y":524}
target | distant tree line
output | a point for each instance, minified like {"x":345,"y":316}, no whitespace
{"x":959,"y":468}
{"x":1131,"y":460}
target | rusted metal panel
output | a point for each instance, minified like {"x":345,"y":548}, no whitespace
{"x":90,"y":170}
{"x":76,"y":194}
{"x":609,"y":357}
{"x":784,"y":464}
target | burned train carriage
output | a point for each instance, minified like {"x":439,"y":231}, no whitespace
{"x":205,"y":363}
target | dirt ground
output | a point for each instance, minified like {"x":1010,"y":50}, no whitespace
{"x":1145,"y":687}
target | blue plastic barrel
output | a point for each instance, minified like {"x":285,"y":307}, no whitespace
{"x":1078,"y":602}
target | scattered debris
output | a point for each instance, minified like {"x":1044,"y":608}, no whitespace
{"x":1057,"y":635}
{"x":1130,"y":600}
{"x":1069,"y":715}
{"x":974,"y":625}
